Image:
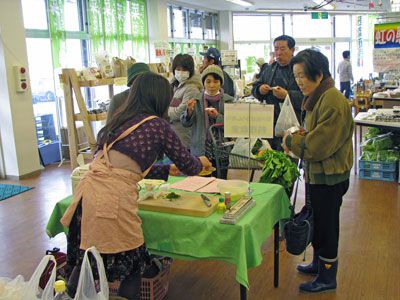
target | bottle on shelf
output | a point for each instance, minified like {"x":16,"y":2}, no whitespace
{"x":61,"y":291}
{"x":221,"y":208}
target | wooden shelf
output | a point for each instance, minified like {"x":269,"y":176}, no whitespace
{"x":72,"y":94}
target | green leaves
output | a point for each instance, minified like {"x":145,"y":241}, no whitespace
{"x":279,"y":169}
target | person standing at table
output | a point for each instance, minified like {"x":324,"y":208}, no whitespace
{"x":104,"y":210}
{"x":204,"y":110}
{"x":186,"y":85}
{"x":328,"y":158}
{"x":277,"y":81}
{"x":213,"y":57}
{"x":117,"y":100}
{"x":345,"y":72}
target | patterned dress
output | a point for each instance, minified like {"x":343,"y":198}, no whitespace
{"x":152,"y":139}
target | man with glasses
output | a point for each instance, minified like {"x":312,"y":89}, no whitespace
{"x":277,"y":80}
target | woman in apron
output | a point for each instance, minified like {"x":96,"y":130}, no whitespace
{"x":104,"y":210}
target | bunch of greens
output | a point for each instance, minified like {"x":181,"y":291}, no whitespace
{"x":279,"y":169}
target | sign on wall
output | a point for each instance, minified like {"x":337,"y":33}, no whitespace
{"x":248,"y":120}
{"x":386,"y":54}
{"x":229,"y":57}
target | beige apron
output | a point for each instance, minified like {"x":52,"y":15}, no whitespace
{"x":109,"y":195}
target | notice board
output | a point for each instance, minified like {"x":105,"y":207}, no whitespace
{"x":248,"y":120}
{"x":386,"y":54}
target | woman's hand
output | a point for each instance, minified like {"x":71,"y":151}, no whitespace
{"x":207,"y":165}
{"x":190,"y":107}
{"x":173,"y":170}
{"x":212,"y":112}
{"x":284,"y":146}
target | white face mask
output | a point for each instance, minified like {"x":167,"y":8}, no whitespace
{"x":181,"y":75}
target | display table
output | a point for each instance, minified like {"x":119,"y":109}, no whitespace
{"x":358,"y":121}
{"x":386,"y":102}
{"x":187,"y":237}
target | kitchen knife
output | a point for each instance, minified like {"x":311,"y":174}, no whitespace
{"x":206,"y":200}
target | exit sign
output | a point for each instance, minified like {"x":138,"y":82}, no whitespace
{"x":319,"y":15}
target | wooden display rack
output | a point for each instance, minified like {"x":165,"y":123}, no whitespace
{"x":72,"y":85}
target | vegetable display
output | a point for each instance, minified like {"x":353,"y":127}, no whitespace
{"x":278,"y":169}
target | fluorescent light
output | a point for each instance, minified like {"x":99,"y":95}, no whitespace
{"x":326,"y":6}
{"x":241,"y":2}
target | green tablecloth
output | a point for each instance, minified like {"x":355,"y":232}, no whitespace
{"x":186,"y":237}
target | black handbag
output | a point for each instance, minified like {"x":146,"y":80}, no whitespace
{"x":298,"y":229}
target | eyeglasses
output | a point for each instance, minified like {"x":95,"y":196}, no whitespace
{"x":299,"y":77}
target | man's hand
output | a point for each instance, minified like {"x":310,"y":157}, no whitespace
{"x":279,"y":92}
{"x":284,"y":146}
{"x":212,"y":112}
{"x":264,"y":89}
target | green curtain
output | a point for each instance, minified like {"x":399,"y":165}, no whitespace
{"x":140,"y":39}
{"x":57,"y":30}
{"x":107,"y":20}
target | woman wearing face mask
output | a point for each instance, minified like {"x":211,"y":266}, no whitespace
{"x":206,"y":109}
{"x":186,"y":85}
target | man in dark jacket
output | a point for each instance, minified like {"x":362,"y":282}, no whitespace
{"x":213,"y":57}
{"x":277,"y":80}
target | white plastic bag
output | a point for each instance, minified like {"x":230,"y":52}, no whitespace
{"x":86,"y":286}
{"x":11,"y":289}
{"x":32,"y":291}
{"x":287,"y":118}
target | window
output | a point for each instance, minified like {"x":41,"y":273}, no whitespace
{"x":342,"y":26}
{"x":251,"y":28}
{"x":196,"y":25}
{"x":276,"y":26}
{"x":169,"y":21}
{"x":210,"y":26}
{"x":305,"y":27}
{"x":180,"y":23}
{"x":34,"y":14}
{"x":71,"y":15}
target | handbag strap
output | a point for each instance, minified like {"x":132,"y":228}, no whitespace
{"x":293,"y":206}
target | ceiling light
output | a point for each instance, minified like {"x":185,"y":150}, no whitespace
{"x":324,"y":6}
{"x":241,"y":2}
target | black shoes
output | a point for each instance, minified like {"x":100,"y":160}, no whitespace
{"x":312,"y":268}
{"x":326,"y":278}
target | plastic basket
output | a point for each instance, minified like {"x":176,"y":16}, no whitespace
{"x":155,"y":288}
{"x":378,"y":165}
{"x":378,"y":175}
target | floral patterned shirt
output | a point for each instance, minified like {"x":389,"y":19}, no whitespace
{"x":151,"y":140}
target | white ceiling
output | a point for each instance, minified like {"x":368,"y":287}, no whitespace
{"x":291,"y":5}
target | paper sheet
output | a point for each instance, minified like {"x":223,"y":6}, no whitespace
{"x":192,"y":183}
{"x":211,"y":187}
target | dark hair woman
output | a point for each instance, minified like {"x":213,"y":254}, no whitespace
{"x":328,"y":157}
{"x":206,"y":109}
{"x":186,"y":85}
{"x":104,"y":210}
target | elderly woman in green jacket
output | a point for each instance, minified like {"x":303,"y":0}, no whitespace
{"x":328,"y":158}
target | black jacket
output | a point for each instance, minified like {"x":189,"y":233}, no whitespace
{"x":228,"y":85}
{"x":268,"y":76}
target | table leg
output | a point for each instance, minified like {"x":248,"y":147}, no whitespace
{"x":243,"y":292}
{"x":355,"y":149}
{"x":276,"y":254}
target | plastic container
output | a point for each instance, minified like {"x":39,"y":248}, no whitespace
{"x":221,"y":208}
{"x":77,"y":174}
{"x":237,"y":188}
{"x":61,"y":291}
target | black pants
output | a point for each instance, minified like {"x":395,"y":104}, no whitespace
{"x":345,"y":87}
{"x":326,"y":201}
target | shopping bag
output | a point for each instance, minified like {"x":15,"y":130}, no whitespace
{"x":62,"y":270}
{"x":11,"y":289}
{"x":119,"y":67}
{"x":86,"y":285}
{"x":32,"y":291}
{"x":287,"y":118}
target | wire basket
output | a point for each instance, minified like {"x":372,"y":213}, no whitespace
{"x":224,"y":159}
{"x":155,"y":288}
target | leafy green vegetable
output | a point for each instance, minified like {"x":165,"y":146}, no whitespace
{"x":172,"y":196}
{"x":279,"y":169}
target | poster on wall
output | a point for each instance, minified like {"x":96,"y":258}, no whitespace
{"x":386,"y":54}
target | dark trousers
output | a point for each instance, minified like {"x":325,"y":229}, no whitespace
{"x":326,"y":201}
{"x":345,"y":87}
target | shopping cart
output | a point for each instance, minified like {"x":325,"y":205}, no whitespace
{"x":224,"y":159}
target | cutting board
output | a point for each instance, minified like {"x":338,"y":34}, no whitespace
{"x":189,"y":204}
